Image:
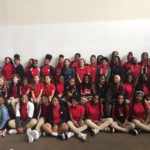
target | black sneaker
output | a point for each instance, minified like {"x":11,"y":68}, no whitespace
{"x":134,"y":132}
{"x":62,"y":136}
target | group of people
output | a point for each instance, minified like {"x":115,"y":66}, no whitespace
{"x":105,"y":95}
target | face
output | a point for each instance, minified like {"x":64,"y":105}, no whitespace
{"x":44,"y":100}
{"x":36,"y":79}
{"x":120,"y":99}
{"x":93,"y":60}
{"x":129,"y":57}
{"x":115,"y":53}
{"x":1,"y":81}
{"x":1,"y":101}
{"x":61,"y":60}
{"x":46,"y":61}
{"x":134,"y":60}
{"x":30,"y":62}
{"x":16,"y":61}
{"x":67,"y":62}
{"x":129,"y":79}
{"x":61,"y":79}
{"x":7,"y":60}
{"x":72,"y":82}
{"x":104,"y":62}
{"x":102,"y":80}
{"x":76,"y":57}
{"x":115,"y":60}
{"x":24,"y":99}
{"x":95,"y":99}
{"x":116,"y":79}
{"x":15,"y":79}
{"x":25,"y":82}
{"x":81,"y":63}
{"x":75,"y":103}
{"x":47,"y":79}
{"x":139,"y":97}
{"x":145,"y":56}
{"x":86,"y":79}
{"x":55,"y":101}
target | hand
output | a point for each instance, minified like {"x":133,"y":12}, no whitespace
{"x":20,"y":131}
{"x":80,"y":123}
{"x":75,"y":123}
{"x":123,"y":125}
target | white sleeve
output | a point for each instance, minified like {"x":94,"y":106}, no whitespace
{"x":30,"y":109}
{"x":18,"y":110}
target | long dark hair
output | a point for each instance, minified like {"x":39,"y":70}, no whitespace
{"x":87,"y":85}
{"x":117,"y":105}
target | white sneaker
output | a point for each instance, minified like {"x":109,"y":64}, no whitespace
{"x":4,"y":132}
{"x":83,"y":136}
{"x":35,"y":134}
{"x":29,"y":134}
{"x":69,"y":134}
{"x":95,"y":131}
{"x":107,"y":129}
{"x":12,"y":131}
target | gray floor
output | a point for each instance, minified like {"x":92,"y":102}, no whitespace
{"x":102,"y":141}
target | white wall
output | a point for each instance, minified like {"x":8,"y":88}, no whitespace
{"x":67,"y":38}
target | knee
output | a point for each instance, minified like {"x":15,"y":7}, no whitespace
{"x":65,"y":127}
{"x":69,"y":123}
{"x":110,"y":120}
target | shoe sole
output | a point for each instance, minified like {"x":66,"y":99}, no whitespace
{"x":29,"y":136}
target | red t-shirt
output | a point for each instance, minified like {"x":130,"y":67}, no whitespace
{"x":75,"y":64}
{"x":48,"y":89}
{"x":15,"y":91}
{"x":93,"y":111}
{"x":56,"y":114}
{"x":81,"y":72}
{"x":77,"y":112}
{"x":24,"y":113}
{"x":93,"y":71}
{"x":8,"y":71}
{"x":60,"y":87}
{"x":139,"y":111}
{"x":37,"y":89}
{"x":128,"y":90}
{"x":24,"y":89}
{"x":127,"y":65}
{"x":58,"y":69}
{"x":135,"y":71}
{"x":46,"y":70}
{"x":35,"y":71}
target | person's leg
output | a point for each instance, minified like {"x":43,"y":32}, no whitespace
{"x":47,"y":128}
{"x":39,"y":124}
{"x":63,"y":127}
{"x":13,"y":103}
{"x":12,"y":124}
{"x":141,"y":126}
{"x":91,"y":124}
{"x":105,"y":123}
{"x":130,"y":126}
{"x":73,"y":127}
{"x":117,"y":127}
{"x":78,"y":131}
{"x":32,"y":123}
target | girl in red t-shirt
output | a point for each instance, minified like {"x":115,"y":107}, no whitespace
{"x":49,"y":88}
{"x":36,"y":93}
{"x":140,"y":112}
{"x":76,"y":114}
{"x":94,"y":118}
{"x":8,"y":69}
{"x":56,"y":119}
{"x":120,"y":114}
